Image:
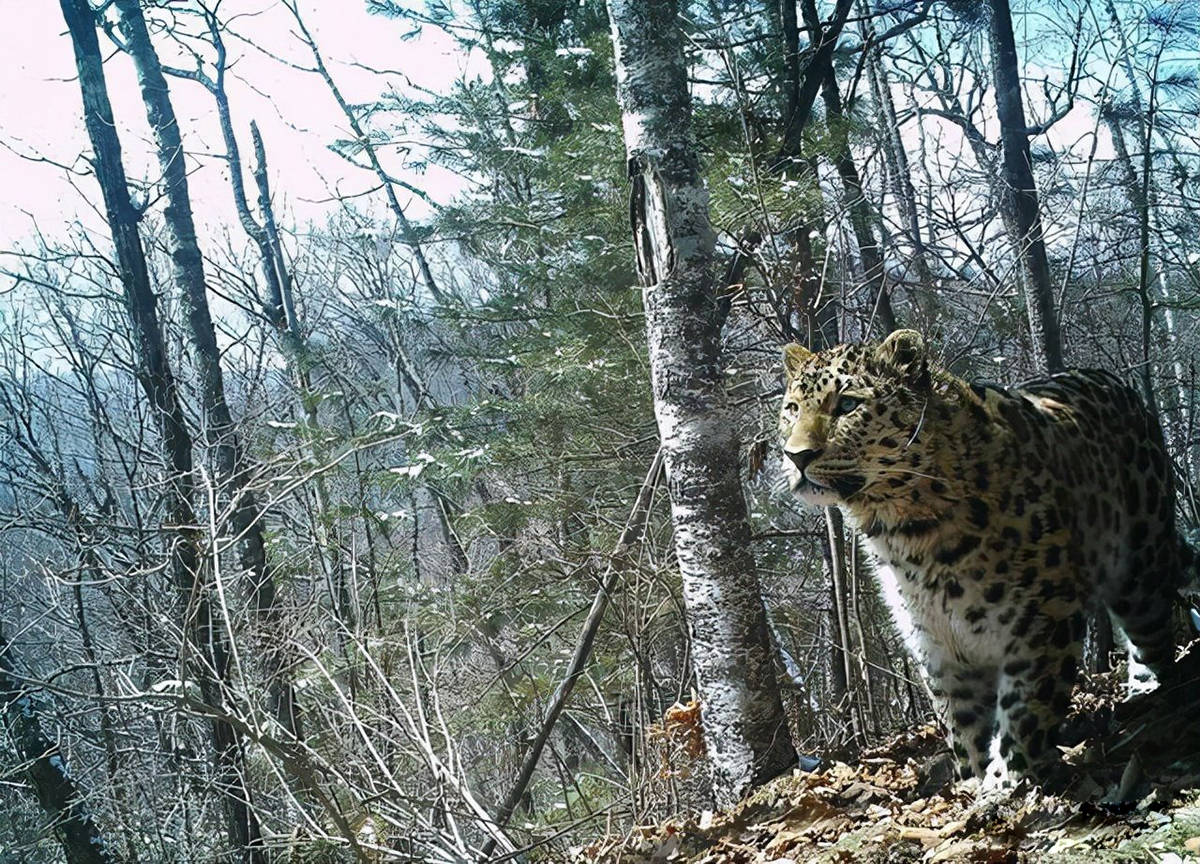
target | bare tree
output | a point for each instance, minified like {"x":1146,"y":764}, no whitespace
{"x":280,"y":309}
{"x":429,"y":470}
{"x":232,"y":472}
{"x":895,"y":156}
{"x":853,"y":198}
{"x":158,"y":383}
{"x":1021,"y":195}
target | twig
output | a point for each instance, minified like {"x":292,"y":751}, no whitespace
{"x":632,"y":534}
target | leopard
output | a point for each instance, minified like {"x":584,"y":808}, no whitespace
{"x":997,"y":520}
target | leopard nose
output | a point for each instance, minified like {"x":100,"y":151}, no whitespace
{"x":802,"y":458}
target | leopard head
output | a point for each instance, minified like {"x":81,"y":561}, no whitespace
{"x":849,"y":415}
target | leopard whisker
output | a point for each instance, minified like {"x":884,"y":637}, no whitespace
{"x":885,"y":472}
{"x":881,"y":473}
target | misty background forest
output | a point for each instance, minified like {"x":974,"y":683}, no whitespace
{"x":335,"y":511}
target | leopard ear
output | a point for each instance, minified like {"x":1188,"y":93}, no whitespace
{"x":904,"y":353}
{"x":794,"y":359}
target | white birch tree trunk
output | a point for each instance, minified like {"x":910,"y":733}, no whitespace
{"x":745,"y":730}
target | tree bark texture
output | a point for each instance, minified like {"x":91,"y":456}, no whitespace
{"x":745,"y":729}
{"x":46,"y":771}
{"x":1137,"y":190}
{"x":844,"y":651}
{"x":1021,"y":196}
{"x":815,"y":316}
{"x":284,"y":304}
{"x":158,"y":384}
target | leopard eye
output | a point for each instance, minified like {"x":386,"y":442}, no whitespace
{"x":845,"y":405}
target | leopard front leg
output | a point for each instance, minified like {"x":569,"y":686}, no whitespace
{"x":1035,"y":693}
{"x":966,"y":699}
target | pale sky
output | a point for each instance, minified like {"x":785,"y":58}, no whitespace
{"x":41,"y":113}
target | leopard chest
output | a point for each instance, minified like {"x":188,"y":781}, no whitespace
{"x":972,"y":595}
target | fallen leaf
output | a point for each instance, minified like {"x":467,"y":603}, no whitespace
{"x":924,"y":836}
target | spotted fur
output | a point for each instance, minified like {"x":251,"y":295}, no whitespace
{"x":996,"y":517}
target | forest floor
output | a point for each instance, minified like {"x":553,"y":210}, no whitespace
{"x":1134,"y":796}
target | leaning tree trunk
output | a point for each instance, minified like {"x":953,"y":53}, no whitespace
{"x":45,"y":770}
{"x":1021,"y":197}
{"x":745,"y":729}
{"x":158,"y":384}
{"x":222,"y":435}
